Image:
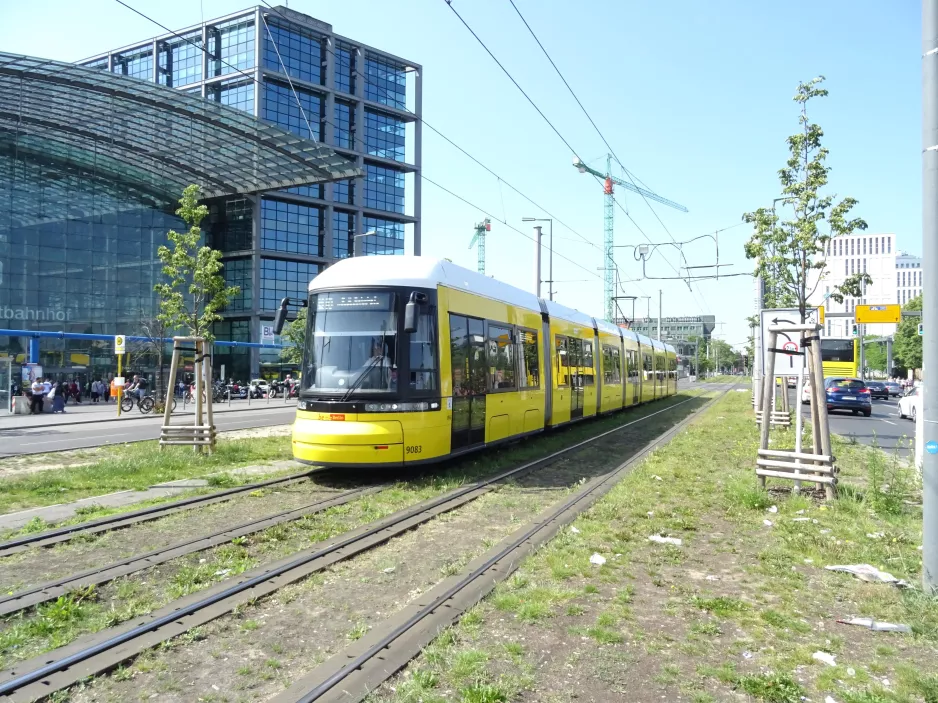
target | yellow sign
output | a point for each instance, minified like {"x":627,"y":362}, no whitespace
{"x":119,"y":344}
{"x":820,"y":315}
{"x":878,"y":313}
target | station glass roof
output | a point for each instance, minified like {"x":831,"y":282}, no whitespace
{"x":159,"y":138}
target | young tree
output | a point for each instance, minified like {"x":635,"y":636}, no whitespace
{"x":295,"y":334}
{"x":154,"y":330}
{"x":194,"y":291}
{"x":907,"y":347}
{"x":790,"y":254}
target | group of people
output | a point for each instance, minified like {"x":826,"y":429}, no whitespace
{"x":59,"y":392}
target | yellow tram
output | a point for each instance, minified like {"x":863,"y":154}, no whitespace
{"x":411,"y":360}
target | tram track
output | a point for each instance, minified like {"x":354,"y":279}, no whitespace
{"x":358,"y":670}
{"x":93,"y":654}
{"x":121,"y":520}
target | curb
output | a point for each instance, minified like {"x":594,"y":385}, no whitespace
{"x":139,"y":417}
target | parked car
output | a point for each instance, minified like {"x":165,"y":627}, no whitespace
{"x":792,"y":382}
{"x":261,"y":383}
{"x":878,"y":389}
{"x":895,"y":390}
{"x":910,"y":405}
{"x":848,"y":394}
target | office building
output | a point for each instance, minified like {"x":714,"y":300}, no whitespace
{"x":908,"y":277}
{"x":676,"y":328}
{"x":292,"y":70}
{"x":92,"y":165}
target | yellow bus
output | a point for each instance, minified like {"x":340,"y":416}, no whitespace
{"x":840,"y":357}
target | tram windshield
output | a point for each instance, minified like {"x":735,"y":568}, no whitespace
{"x":351,"y":342}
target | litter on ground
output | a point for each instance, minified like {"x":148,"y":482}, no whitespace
{"x":665,"y":540}
{"x":597,"y":559}
{"x":767,"y":523}
{"x":865,"y":572}
{"x":773,"y":509}
{"x":876,"y":626}
{"x":824,"y":657}
{"x":574,"y":530}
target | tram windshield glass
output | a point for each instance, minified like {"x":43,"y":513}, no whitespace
{"x":351,"y":342}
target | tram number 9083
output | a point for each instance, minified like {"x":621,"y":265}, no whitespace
{"x":414,"y":449}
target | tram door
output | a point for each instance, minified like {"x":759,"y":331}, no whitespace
{"x":467,"y":350}
{"x":575,"y":359}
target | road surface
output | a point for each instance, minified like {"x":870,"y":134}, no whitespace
{"x":883,"y":427}
{"x":35,"y":440}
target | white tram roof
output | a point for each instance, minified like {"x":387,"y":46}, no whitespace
{"x":426,"y":272}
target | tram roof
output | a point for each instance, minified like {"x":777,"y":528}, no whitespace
{"x":427,"y":272}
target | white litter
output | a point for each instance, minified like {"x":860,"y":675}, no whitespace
{"x":223,"y":572}
{"x":747,"y":655}
{"x":801,"y":519}
{"x":574,"y":530}
{"x":851,"y":671}
{"x":665,"y":540}
{"x":825,"y":658}
{"x":809,"y":561}
{"x":597,"y":559}
{"x":651,"y":513}
{"x":799,"y":512}
{"x":886,"y":683}
{"x":825,"y":532}
{"x":657,"y":478}
{"x":389,"y":570}
{"x":767,"y":523}
{"x":876,"y":626}
{"x":713,"y":578}
{"x":215,"y":688}
{"x":865,"y":572}
{"x":829,"y":699}
{"x":773,"y":509}
{"x":875,"y":535}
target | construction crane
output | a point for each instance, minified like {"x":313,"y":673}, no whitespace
{"x":481,"y":229}
{"x":608,"y":182}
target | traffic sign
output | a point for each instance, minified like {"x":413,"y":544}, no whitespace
{"x":820,"y":314}
{"x":931,"y":447}
{"x":788,"y":358}
{"x":878,"y":313}
{"x":119,"y":344}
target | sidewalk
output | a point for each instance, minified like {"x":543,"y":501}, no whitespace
{"x":88,"y":412}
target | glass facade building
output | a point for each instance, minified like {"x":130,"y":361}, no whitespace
{"x":92,"y":164}
{"x":293,"y":71}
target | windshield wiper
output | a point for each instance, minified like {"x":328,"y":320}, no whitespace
{"x":374,"y":361}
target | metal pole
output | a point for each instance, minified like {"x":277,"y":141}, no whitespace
{"x":888,"y":357}
{"x":757,"y":347}
{"x":537,"y":261}
{"x":930,"y":293}
{"x":696,"y":359}
{"x":799,"y":421}
{"x":659,"y":314}
{"x":862,"y":354}
{"x":550,"y":264}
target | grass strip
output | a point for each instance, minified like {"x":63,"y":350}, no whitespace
{"x":738,"y":609}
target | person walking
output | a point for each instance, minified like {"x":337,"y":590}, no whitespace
{"x":35,"y":402}
{"x":95,"y":390}
{"x":58,"y":400}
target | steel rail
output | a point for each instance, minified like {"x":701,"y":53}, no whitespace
{"x":47,"y":673}
{"x":42,"y":593}
{"x":114,"y":522}
{"x":496,"y":565}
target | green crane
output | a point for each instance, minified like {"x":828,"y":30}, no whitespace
{"x":608,"y":181}
{"x":481,"y":229}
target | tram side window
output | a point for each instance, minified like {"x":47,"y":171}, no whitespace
{"x":501,"y":358}
{"x":530,"y":370}
{"x":611,"y":373}
{"x":423,"y":352}
{"x":632,"y":359}
{"x":560,"y":354}
{"x":647,"y":367}
{"x":586,"y":370}
{"x":659,"y":367}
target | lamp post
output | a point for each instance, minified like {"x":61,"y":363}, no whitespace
{"x":357,"y":244}
{"x":550,"y":255}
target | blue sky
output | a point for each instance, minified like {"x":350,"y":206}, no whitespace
{"x":695,"y":98}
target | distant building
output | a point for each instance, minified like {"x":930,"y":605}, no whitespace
{"x":676,"y":328}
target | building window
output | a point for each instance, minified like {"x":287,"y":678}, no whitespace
{"x":100,"y":64}
{"x":231,"y":225}
{"x":388,"y":240}
{"x":384,"y":188}
{"x":889,"y":245}
{"x":136,"y":65}
{"x":280,"y":107}
{"x":344,"y":66}
{"x":180,"y":61}
{"x":385,"y":82}
{"x":313,"y":191}
{"x":864,"y":265}
{"x":343,"y":231}
{"x":300,"y":51}
{"x":290,"y":228}
{"x":238,"y":273}
{"x":852,"y":266}
{"x":343,"y":192}
{"x":231,"y":47}
{"x":898,"y":278}
{"x":284,"y":279}
{"x":876,"y":244}
{"x":903,"y":278}
{"x":343,"y":124}
{"x":237,"y":94}
{"x":384,"y":136}
{"x":852,"y":252}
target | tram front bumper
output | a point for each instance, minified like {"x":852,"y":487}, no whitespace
{"x":348,"y":442}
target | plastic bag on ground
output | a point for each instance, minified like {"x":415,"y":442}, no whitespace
{"x":597,"y":559}
{"x":876,"y":626}
{"x":866,"y":572}
{"x":824,"y":657}
{"x":665,"y":540}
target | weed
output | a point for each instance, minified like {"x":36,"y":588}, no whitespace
{"x":724,"y":606}
{"x":468,"y":664}
{"x":590,"y":588}
{"x":515,"y":649}
{"x":425,"y":678}
{"x":707,"y":627}
{"x":358,"y":631}
{"x":771,"y":687}
{"x":575,"y":609}
{"x":37,"y":524}
{"x":483,"y":693}
{"x":604,"y":635}
{"x":784,"y":622}
{"x":273,"y":664}
{"x":250,"y":625}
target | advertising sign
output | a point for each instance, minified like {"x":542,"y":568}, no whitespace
{"x":31,"y":372}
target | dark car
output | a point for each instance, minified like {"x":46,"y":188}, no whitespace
{"x":848,"y":394}
{"x":895,"y":390}
{"x":878,"y":389}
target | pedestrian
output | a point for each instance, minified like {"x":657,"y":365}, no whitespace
{"x":35,"y":402}
{"x":95,"y":390}
{"x":58,"y":401}
{"x":74,"y":391}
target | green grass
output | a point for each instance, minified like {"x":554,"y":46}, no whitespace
{"x":136,"y":467}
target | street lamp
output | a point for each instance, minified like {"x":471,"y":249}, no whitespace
{"x":550,"y":263}
{"x":357,"y":245}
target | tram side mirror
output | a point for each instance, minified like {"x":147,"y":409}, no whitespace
{"x":281,"y":316}
{"x":410,"y":311}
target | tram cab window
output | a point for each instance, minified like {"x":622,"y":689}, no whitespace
{"x":501,"y":358}
{"x":351,"y":342}
{"x":528,"y":358}
{"x":423,"y":366}
{"x":611,"y":369}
